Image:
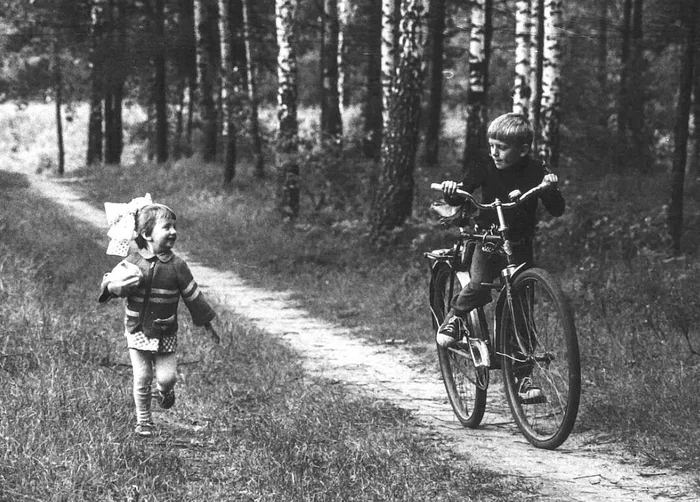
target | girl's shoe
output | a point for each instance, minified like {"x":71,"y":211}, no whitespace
{"x":144,"y":430}
{"x":166,"y":400}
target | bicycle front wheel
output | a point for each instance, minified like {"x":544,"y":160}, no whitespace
{"x":539,"y":343}
{"x":468,"y":400}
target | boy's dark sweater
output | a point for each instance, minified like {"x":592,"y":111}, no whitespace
{"x":495,"y":183}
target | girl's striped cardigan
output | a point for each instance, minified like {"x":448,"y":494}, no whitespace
{"x":169,"y":277}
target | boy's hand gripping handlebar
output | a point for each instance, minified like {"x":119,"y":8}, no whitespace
{"x":497,"y":203}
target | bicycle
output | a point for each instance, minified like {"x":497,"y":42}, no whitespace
{"x":533,"y":334}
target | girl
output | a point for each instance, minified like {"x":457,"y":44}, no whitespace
{"x":152,"y":279}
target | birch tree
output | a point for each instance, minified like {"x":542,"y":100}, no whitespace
{"x":331,"y":125}
{"x":475,"y":147}
{"x":205,"y":77}
{"x":393,"y":199}
{"x":551,"y":83}
{"x":287,"y":140}
{"x":523,"y":29}
{"x":345,"y":16}
{"x":536,"y":61}
{"x":388,"y":53}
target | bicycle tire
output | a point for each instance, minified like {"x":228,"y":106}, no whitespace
{"x":549,"y":353}
{"x":468,"y":401}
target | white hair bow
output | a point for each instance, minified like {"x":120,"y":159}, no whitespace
{"x":121,"y":218}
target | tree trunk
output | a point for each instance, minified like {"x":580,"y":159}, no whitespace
{"x":536,"y":69}
{"x":694,"y":165}
{"x":685,"y":87}
{"x":253,"y":120}
{"x":388,"y":52}
{"x":344,"y":18}
{"x":58,"y":89}
{"x":476,"y":149}
{"x":331,"y":125}
{"x":602,"y":67}
{"x":393,"y":200}
{"x":160,"y":87}
{"x":551,"y":83}
{"x":114,"y":76}
{"x":205,"y":75}
{"x":227,"y":92}
{"x":122,"y":71}
{"x":287,"y":140}
{"x":623,"y":101}
{"x":523,"y":29}
{"x":436,"y":33}
{"x":373,"y":95}
{"x":640,"y":140}
{"x":95,"y":137}
{"x":179,"y":119}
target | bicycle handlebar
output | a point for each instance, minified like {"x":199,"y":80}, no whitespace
{"x":493,"y":205}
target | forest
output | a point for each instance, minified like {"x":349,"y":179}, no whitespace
{"x":608,"y":86}
{"x":302,"y":137}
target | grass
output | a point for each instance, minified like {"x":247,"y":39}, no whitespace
{"x":636,"y":306}
{"x":248,"y":425}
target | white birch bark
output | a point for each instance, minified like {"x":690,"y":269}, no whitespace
{"x":521,"y":87}
{"x":475,"y":143}
{"x":551,"y":83}
{"x":345,"y":11}
{"x":388,"y":56}
{"x":287,"y":140}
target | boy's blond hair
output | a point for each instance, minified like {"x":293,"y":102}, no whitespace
{"x":511,"y":128}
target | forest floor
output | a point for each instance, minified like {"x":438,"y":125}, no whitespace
{"x":587,"y":467}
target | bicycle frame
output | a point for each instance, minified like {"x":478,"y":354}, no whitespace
{"x":455,"y":258}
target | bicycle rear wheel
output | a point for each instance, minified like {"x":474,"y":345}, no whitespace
{"x":458,"y":372}
{"x":539,"y":342}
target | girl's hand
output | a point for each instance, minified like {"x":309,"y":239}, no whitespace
{"x":212,"y":333}
{"x":123,"y":288}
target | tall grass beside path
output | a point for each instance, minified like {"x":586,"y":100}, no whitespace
{"x":247,"y":424}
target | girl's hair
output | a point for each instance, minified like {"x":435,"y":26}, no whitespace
{"x":146,"y":218}
{"x":511,"y":128}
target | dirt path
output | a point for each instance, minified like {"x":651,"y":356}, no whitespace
{"x":582,"y":469}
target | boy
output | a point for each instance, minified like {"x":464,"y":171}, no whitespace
{"x":510,"y":168}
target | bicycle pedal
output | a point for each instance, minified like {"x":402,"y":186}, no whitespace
{"x":480,"y":350}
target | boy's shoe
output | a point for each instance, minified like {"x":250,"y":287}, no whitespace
{"x":166,"y":400}
{"x":449,"y":331}
{"x":144,"y":430}
{"x":529,"y":393}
